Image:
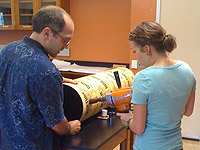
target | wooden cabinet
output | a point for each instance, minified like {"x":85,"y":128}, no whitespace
{"x":47,"y":2}
{"x":24,"y":10}
{"x":17,"y":14}
{"x":7,"y":17}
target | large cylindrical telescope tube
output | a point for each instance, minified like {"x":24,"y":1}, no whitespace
{"x":76,"y":97}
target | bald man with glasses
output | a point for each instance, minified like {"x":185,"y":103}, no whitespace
{"x":31,"y":97}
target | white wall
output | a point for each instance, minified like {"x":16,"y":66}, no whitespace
{"x":182,"y":19}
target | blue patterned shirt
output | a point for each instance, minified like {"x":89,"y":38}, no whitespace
{"x":31,"y":97}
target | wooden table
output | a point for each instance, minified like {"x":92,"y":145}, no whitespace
{"x":73,"y":75}
{"x":98,"y":134}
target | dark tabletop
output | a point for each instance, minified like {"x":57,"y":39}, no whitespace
{"x":94,"y":133}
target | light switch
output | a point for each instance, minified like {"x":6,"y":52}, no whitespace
{"x":1,"y":47}
{"x":64,"y":52}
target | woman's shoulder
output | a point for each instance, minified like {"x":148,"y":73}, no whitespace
{"x":184,"y":66}
{"x":142,"y":75}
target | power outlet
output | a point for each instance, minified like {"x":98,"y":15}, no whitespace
{"x":134,"y":64}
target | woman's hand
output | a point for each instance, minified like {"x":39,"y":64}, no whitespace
{"x":125,"y":117}
{"x":138,"y":123}
{"x":67,"y":80}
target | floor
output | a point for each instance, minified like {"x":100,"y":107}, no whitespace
{"x":187,"y":145}
{"x":191,"y":145}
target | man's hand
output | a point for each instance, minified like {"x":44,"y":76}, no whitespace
{"x":75,"y":127}
{"x":65,"y":127}
{"x":67,"y":80}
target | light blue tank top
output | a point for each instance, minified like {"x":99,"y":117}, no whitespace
{"x":165,"y":90}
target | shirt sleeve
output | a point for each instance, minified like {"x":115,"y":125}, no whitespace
{"x":49,"y":98}
{"x":140,"y":89}
{"x":194,"y":87}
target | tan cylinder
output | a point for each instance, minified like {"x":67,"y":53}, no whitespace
{"x":76,"y":103}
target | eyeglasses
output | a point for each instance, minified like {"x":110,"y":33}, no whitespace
{"x":65,"y":41}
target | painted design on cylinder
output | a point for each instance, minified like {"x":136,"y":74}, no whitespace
{"x":94,"y":86}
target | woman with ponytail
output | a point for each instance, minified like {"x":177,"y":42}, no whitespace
{"x":162,"y":92}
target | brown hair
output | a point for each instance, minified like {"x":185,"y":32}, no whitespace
{"x":49,"y":16}
{"x":151,"y":33}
